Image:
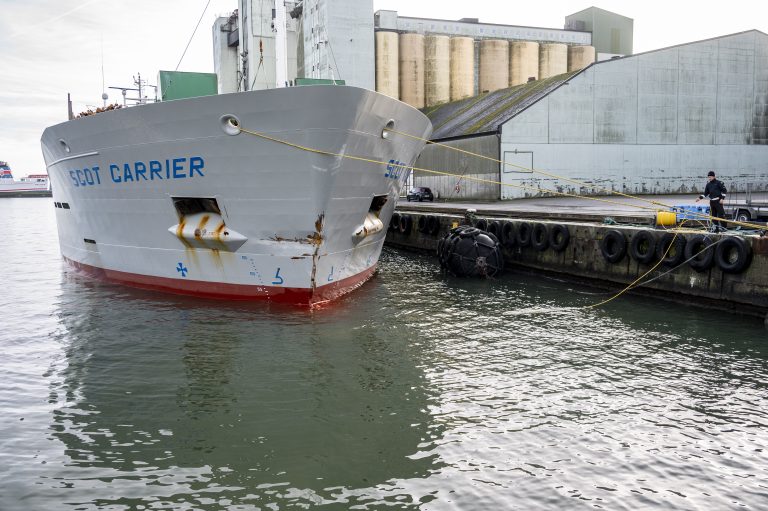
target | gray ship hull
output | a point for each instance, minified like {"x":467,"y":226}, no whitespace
{"x":173,"y":196}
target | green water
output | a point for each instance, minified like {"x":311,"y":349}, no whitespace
{"x":417,"y":391}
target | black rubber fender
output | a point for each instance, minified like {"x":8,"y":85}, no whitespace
{"x":405,"y":224}
{"x":540,"y":237}
{"x":733,"y":254}
{"x":613,"y":246}
{"x":394,"y":224}
{"x":559,"y":237}
{"x":482,"y":224}
{"x":422,"y":224}
{"x":495,"y":228}
{"x":642,"y":246}
{"x":700,"y":252}
{"x":508,"y":234}
{"x":675,"y":254}
{"x":433,"y":224}
{"x":523,"y":234}
{"x":469,"y":252}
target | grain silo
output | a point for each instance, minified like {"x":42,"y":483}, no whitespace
{"x":494,"y":65}
{"x":437,"y":80}
{"x":411,"y":61}
{"x":580,"y":57}
{"x":462,"y":67}
{"x":387,"y":65}
{"x":523,"y":62}
{"x":553,"y":60}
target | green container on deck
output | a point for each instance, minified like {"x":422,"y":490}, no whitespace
{"x":318,"y":81}
{"x":182,"y":85}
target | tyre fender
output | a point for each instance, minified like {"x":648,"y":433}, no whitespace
{"x":394,"y":224}
{"x":422,"y":224}
{"x":642,"y":247}
{"x":405,"y":224}
{"x":676,"y":253}
{"x":523,"y":234}
{"x":733,"y":254}
{"x":540,"y":237}
{"x":508,"y":234}
{"x":700,"y":252}
{"x":613,"y":246}
{"x":559,"y":237}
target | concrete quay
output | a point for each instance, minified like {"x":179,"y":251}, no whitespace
{"x":583,"y":257}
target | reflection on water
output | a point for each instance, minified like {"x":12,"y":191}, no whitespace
{"x":247,"y":401}
{"x":415,"y":392}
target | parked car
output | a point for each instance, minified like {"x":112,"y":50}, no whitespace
{"x":420,"y":193}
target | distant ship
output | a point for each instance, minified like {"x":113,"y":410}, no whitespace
{"x":35,"y":185}
{"x":177,"y":196}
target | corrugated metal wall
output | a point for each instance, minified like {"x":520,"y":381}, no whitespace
{"x":445,"y":160}
{"x":652,"y":123}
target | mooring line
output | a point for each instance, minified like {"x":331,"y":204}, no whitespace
{"x":488,"y":181}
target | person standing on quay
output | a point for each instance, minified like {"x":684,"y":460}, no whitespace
{"x":715,"y":191}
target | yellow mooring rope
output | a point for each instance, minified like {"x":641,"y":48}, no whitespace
{"x":494,"y":182}
{"x":677,"y":231}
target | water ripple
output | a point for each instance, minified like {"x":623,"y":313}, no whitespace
{"x":418,"y":391}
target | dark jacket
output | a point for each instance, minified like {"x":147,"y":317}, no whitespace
{"x":714,"y":190}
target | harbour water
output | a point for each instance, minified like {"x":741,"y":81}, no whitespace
{"x":417,"y":391}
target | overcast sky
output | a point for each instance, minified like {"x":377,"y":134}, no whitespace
{"x":51,"y":47}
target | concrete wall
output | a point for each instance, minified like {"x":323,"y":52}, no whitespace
{"x":225,"y":57}
{"x":257,"y":38}
{"x":745,"y":292}
{"x":389,"y":20}
{"x":339,"y":41}
{"x":445,"y":160}
{"x":650,"y":123}
{"x":611,"y":32}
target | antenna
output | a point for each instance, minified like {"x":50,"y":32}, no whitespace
{"x":104,"y":95}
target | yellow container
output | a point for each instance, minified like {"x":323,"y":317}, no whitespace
{"x":666,"y":218}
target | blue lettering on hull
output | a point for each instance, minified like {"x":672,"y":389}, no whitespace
{"x":131,"y":172}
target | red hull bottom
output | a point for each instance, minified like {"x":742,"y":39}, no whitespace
{"x":223,"y":291}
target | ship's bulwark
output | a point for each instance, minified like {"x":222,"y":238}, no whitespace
{"x":132,"y":175}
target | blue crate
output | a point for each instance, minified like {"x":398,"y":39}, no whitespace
{"x":688,"y":212}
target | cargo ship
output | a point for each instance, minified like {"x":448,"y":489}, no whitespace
{"x":35,"y":185}
{"x":281,"y":194}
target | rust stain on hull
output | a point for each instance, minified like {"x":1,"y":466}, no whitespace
{"x":317,"y":238}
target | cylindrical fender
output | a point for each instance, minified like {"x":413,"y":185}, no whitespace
{"x":540,"y":237}
{"x":613,"y":246}
{"x":482,"y":224}
{"x":733,"y":254}
{"x":642,"y":247}
{"x":700,"y":252}
{"x":559,"y":237}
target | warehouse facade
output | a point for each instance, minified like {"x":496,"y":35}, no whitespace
{"x":652,"y":123}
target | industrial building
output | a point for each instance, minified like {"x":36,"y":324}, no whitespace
{"x":652,"y":123}
{"x":422,"y":62}
{"x":426,"y":62}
